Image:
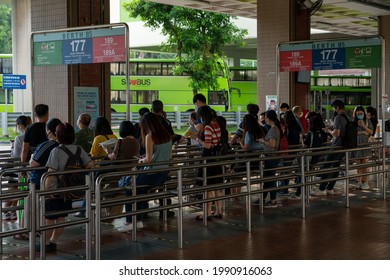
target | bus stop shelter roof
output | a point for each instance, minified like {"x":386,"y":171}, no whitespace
{"x":346,"y":17}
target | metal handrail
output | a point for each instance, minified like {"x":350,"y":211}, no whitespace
{"x":178,"y":167}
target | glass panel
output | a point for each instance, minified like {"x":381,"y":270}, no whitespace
{"x":168,"y":69}
{"x":217,"y":98}
{"x":336,"y":82}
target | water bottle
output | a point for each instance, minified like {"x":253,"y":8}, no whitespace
{"x":23,"y":179}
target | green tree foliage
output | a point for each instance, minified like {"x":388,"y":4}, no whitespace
{"x":5,"y":29}
{"x":198,"y":38}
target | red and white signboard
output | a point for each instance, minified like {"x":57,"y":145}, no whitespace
{"x":294,"y":61}
{"x":109,"y":49}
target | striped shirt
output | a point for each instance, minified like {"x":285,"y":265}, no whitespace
{"x":212,"y":133}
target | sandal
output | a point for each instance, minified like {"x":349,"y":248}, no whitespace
{"x":200,"y":218}
{"x":218,"y":216}
{"x":23,"y":236}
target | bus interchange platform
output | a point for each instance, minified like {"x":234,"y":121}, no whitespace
{"x":330,"y":230}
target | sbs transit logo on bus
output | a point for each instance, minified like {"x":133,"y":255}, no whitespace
{"x":137,"y":82}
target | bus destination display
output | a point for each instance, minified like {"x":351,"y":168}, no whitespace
{"x":329,"y":55}
{"x":80,"y":47}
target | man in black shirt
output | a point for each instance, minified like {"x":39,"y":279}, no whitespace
{"x":36,"y":133}
{"x":158,"y":109}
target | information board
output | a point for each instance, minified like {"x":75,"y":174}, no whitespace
{"x":80,"y":47}
{"x":14,"y":81}
{"x":86,"y":101}
{"x":328,"y":55}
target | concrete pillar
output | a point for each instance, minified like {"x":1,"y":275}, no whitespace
{"x":384,"y":31}
{"x":53,"y":85}
{"x":279,"y":21}
{"x":21,"y":29}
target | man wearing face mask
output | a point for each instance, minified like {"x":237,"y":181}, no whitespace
{"x":333,"y":160}
{"x":298,"y":113}
{"x":263,"y":122}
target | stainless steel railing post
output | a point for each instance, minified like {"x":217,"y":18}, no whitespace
{"x":248,"y":197}
{"x":180,"y":214}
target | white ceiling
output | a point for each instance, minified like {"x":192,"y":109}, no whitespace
{"x":348,"y":17}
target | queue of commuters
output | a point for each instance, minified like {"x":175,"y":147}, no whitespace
{"x":47,"y":142}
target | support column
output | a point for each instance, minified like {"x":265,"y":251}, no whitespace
{"x":278,"y":22}
{"x":384,"y":31}
{"x":21,"y":29}
{"x":54,"y":85}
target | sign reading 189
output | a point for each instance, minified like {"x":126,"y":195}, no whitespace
{"x":77,"y":45}
{"x":329,"y":54}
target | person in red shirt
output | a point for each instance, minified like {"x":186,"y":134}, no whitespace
{"x":210,"y":135}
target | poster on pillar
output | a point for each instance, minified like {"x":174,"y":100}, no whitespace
{"x":271,"y":102}
{"x":86,"y":100}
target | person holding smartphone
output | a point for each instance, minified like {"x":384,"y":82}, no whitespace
{"x":158,"y":146}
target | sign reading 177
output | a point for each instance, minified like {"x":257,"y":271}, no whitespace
{"x":77,"y":45}
{"x":329,"y":54}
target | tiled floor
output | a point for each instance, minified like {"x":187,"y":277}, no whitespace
{"x":330,"y":231}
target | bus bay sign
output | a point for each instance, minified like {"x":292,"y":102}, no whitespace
{"x":329,"y":55}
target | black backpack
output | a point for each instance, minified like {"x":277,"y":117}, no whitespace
{"x":75,"y":163}
{"x":350,"y":134}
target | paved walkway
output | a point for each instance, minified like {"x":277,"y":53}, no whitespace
{"x":330,"y":231}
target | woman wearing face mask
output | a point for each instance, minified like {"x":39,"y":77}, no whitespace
{"x":364,"y":130}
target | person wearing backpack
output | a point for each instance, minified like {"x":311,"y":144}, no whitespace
{"x":209,"y":137}
{"x":293,"y":131}
{"x":314,"y":139}
{"x":57,"y":161}
{"x":338,"y":132}
{"x":39,"y":158}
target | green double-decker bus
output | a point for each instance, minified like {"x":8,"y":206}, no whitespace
{"x":152,"y":79}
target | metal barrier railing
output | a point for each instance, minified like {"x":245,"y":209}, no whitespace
{"x":94,"y":190}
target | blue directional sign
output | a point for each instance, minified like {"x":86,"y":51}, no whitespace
{"x":14,"y":81}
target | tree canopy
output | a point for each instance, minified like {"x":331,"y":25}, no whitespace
{"x":5,"y":29}
{"x":197,"y":36}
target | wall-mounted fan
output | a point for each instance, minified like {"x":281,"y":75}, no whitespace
{"x":313,"y":7}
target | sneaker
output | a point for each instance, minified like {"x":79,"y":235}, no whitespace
{"x":295,"y":197}
{"x":256,"y":202}
{"x":270,"y":204}
{"x":170,"y":214}
{"x":330,"y":191}
{"x":364,"y":186}
{"x":129,"y":227}
{"x":80,"y":214}
{"x":51,"y":247}
{"x":318,"y":192}
{"x":282,"y":193}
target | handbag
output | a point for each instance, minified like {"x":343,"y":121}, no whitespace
{"x":124,"y":181}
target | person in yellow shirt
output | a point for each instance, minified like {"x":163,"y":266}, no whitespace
{"x":103,"y":132}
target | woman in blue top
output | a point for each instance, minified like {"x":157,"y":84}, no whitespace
{"x":158,"y":146}
{"x":253,"y":131}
